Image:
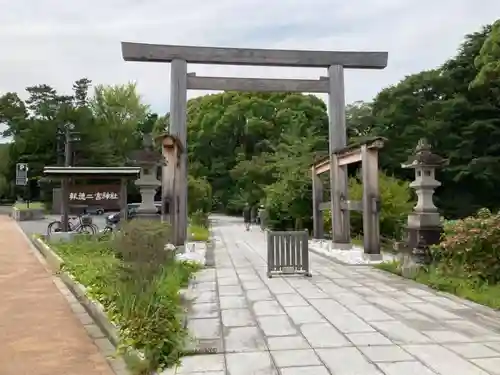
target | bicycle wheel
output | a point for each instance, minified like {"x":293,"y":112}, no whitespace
{"x":55,"y":226}
{"x":86,"y":229}
{"x":104,"y":234}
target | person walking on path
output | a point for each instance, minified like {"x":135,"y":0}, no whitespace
{"x":247,"y":216}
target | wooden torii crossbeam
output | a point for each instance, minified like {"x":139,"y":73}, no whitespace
{"x":181,"y":81}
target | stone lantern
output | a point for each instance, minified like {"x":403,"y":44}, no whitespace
{"x":148,"y":160}
{"x":424,"y":224}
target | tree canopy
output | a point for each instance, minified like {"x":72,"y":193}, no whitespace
{"x":232,"y":138}
{"x":458,"y":110}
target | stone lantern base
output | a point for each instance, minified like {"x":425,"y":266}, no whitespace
{"x":419,"y":241}
{"x":147,"y":208}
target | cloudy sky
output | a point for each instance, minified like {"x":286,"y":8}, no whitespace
{"x":57,"y":42}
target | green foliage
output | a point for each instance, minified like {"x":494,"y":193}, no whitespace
{"x":141,"y":246}
{"x":391,"y":266}
{"x":198,"y":233}
{"x":467,"y":260}
{"x":396,"y":204}
{"x":472,"y":246}
{"x":488,"y":60}
{"x":24,"y":206}
{"x":121,"y":110}
{"x":231,"y":134}
{"x":109,"y":124}
{"x":472,"y":289}
{"x":139,"y":292}
{"x":199,"y":195}
{"x":199,"y":219}
{"x":461,"y":120}
{"x":289,"y":200}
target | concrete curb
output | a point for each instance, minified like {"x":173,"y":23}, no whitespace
{"x":334,"y":259}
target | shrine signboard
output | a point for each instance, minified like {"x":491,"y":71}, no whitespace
{"x":105,"y":196}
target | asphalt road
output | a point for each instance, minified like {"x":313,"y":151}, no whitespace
{"x":40,"y":226}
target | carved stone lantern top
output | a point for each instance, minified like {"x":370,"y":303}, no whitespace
{"x":424,"y":157}
{"x":146,"y":156}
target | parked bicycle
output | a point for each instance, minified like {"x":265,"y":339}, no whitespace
{"x":79,"y":224}
{"x":113,"y":221}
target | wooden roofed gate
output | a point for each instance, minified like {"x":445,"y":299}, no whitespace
{"x":340,"y":205}
{"x":180,"y":81}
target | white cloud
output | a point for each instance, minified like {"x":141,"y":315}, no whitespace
{"x":57,"y":42}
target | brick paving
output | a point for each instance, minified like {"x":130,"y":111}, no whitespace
{"x":39,"y":332}
{"x":345,"y":320}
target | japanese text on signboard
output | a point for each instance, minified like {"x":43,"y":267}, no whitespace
{"x":93,"y":196}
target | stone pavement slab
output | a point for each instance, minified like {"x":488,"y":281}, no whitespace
{"x":344,"y":320}
{"x":41,"y":333}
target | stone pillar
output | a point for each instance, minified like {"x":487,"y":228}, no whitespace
{"x":424,"y":224}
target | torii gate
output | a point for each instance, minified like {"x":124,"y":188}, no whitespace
{"x":181,"y":81}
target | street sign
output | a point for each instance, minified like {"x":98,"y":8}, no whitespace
{"x":21,"y":174}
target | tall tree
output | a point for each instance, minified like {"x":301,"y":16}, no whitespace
{"x":460,"y":119}
{"x":121,"y":110}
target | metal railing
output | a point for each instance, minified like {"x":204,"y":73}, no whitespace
{"x":288,"y":253}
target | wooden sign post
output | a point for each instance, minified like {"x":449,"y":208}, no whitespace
{"x":172,"y":191}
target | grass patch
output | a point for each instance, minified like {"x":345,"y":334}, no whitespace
{"x":22,"y":206}
{"x":392,"y":267}
{"x":198,"y":233}
{"x":469,"y":288}
{"x":139,"y":294}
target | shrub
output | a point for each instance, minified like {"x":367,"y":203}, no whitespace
{"x":396,"y":204}
{"x":288,"y":203}
{"x":471,"y":246}
{"x":138,"y":283}
{"x":199,"y":218}
{"x":198,"y":233}
{"x":141,"y":246}
{"x":200,"y":195}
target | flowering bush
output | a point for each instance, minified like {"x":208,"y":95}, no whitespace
{"x":471,"y":246}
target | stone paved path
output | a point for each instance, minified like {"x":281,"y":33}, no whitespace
{"x":39,"y":333}
{"x":344,"y":320}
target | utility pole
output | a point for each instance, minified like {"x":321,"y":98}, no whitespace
{"x":65,"y":180}
{"x":67,"y":147}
